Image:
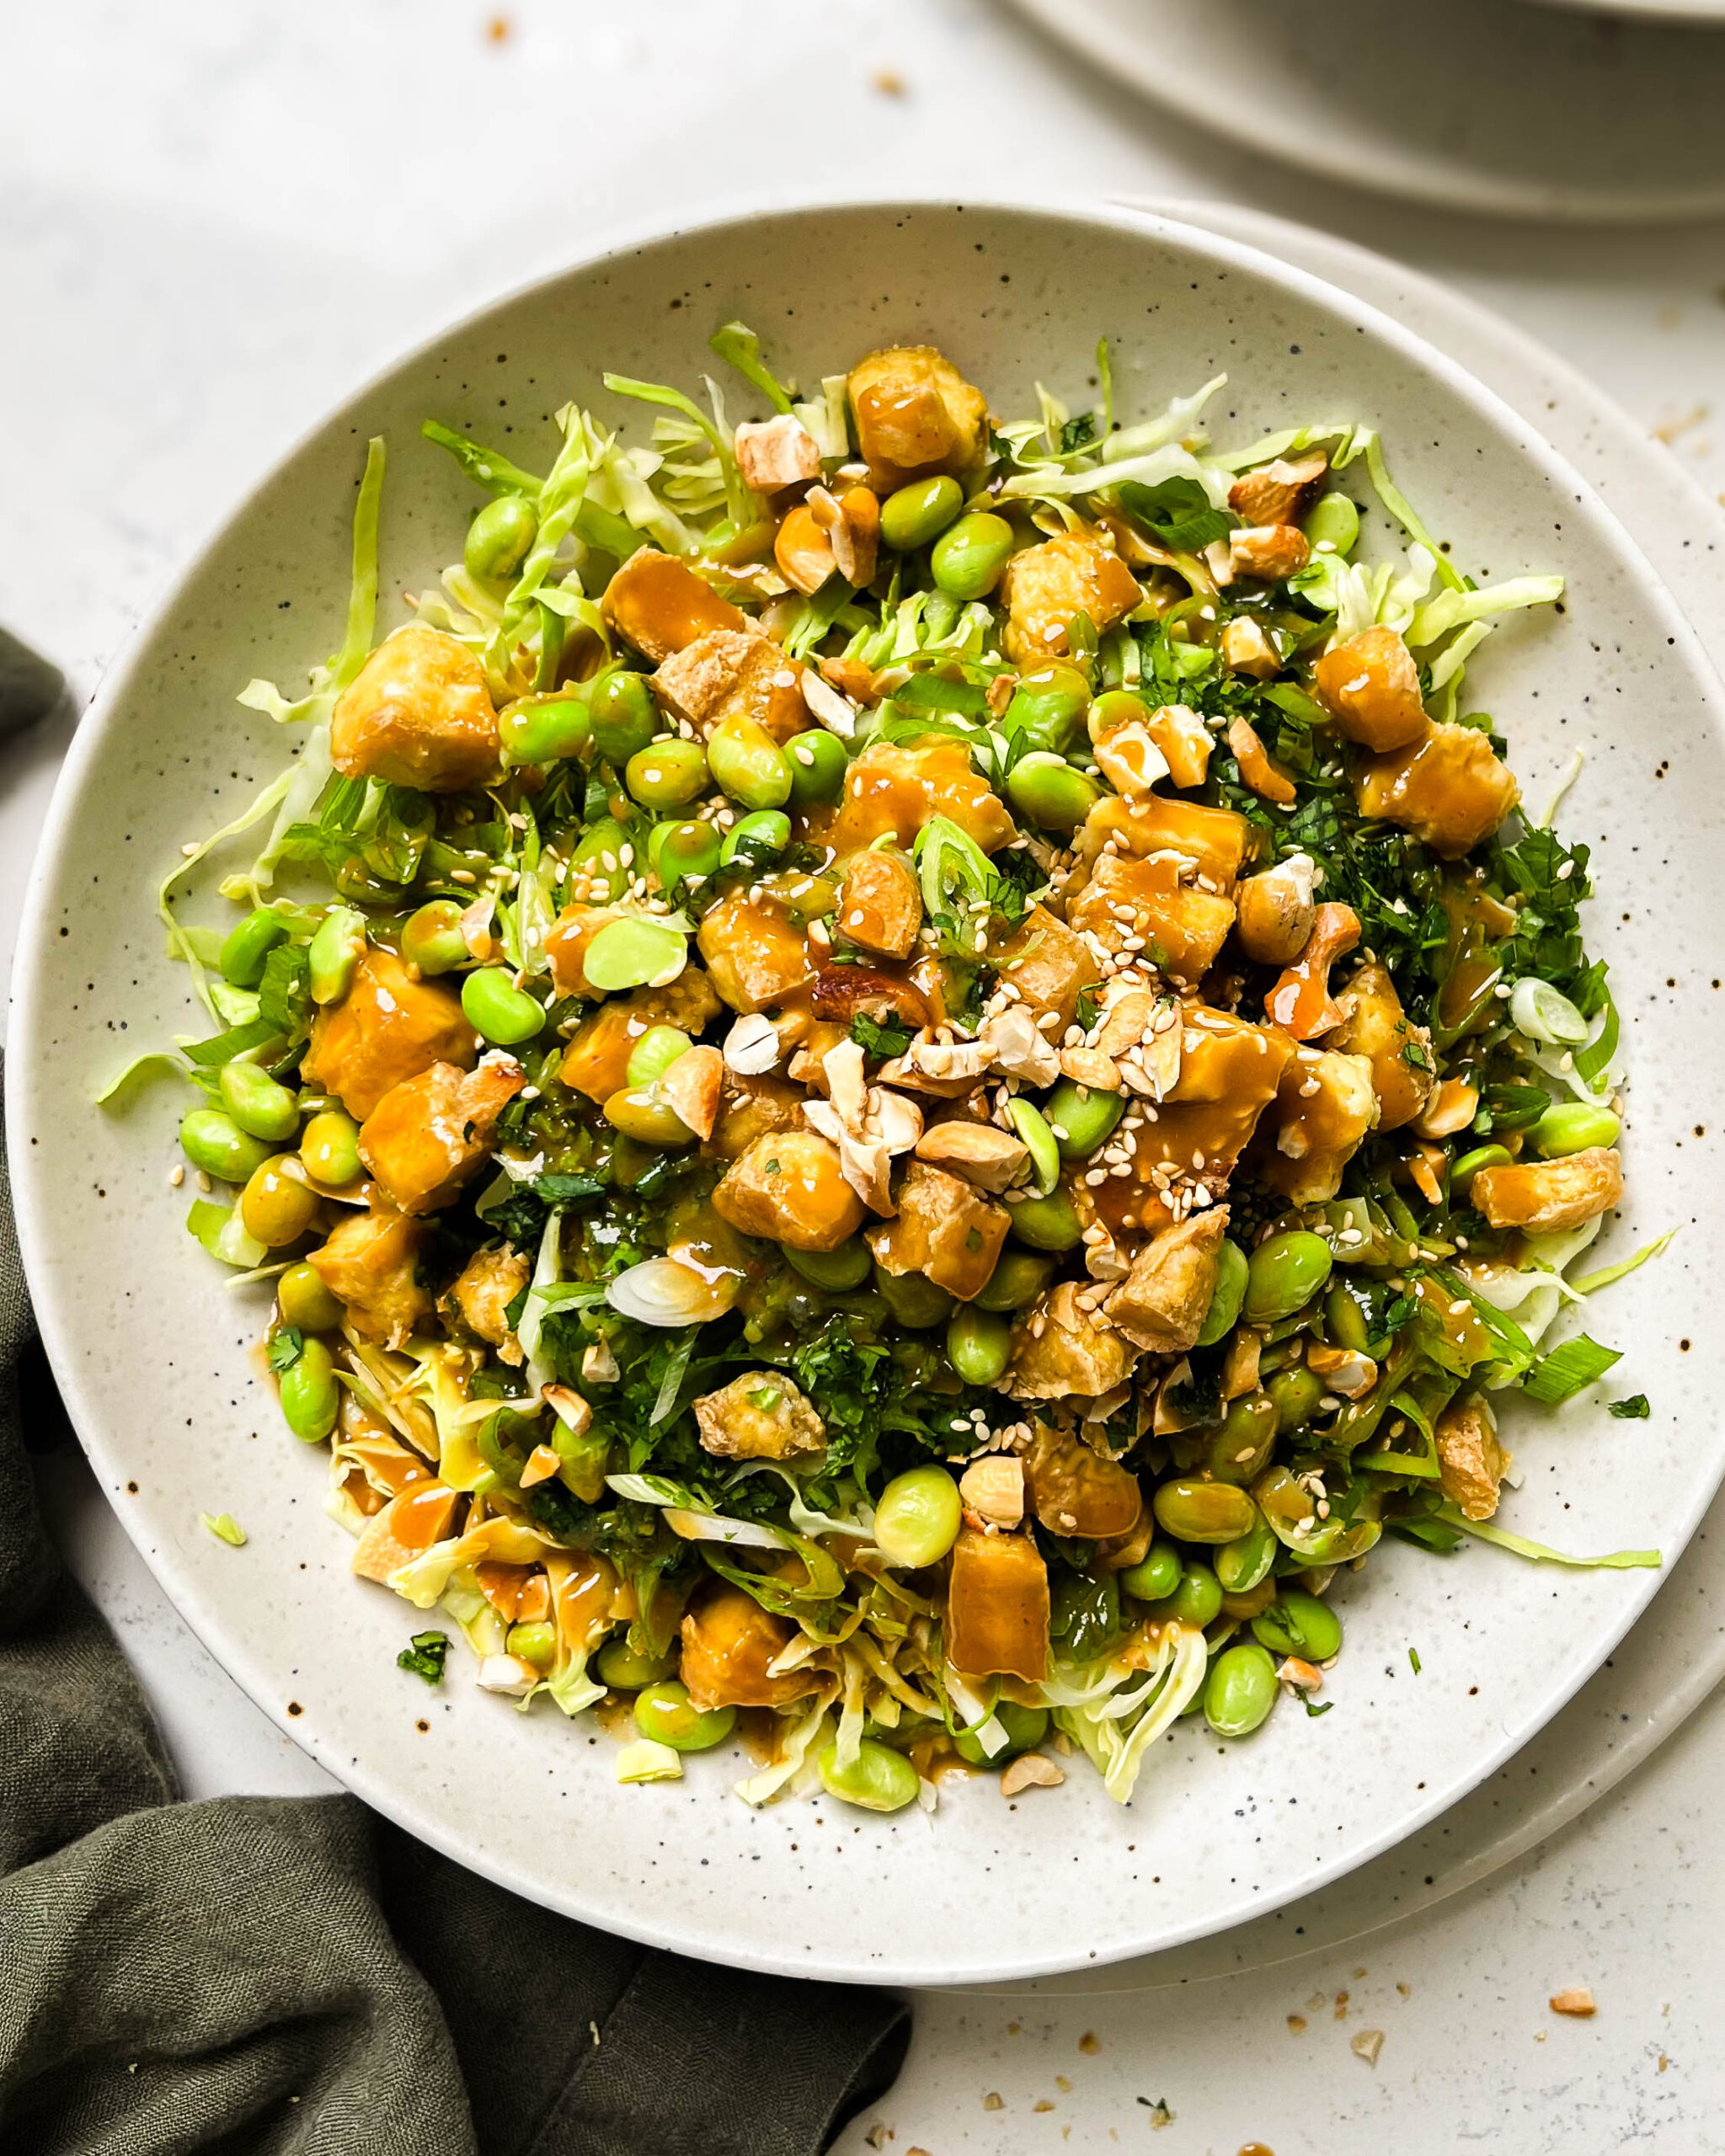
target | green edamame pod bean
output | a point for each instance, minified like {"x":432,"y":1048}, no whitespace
{"x":640,"y":1113}
{"x":212,"y":1141}
{"x":836,"y":1271}
{"x":497,"y":1010}
{"x":818,"y":763}
{"x":544,"y":729}
{"x":1195,"y":1601}
{"x":1116,"y":707}
{"x":246,"y":948}
{"x":978,"y":1344}
{"x":655,"y":1052}
{"x":918,"y":1517}
{"x":748,"y":765}
{"x":330,"y":1149}
{"x":1045,"y":789}
{"x":664,"y":1713}
{"x":1031,"y":1125}
{"x":1283,"y":1273}
{"x":1192,"y":1511}
{"x":754,"y":840}
{"x":1156,"y":1576}
{"x":1243,"y":1563}
{"x":1298,"y":1623}
{"x":625,"y":1671}
{"x":624,"y":717}
{"x":1332,"y":521}
{"x":1239,"y":1690}
{"x":1240,"y":1450}
{"x":913,"y":1299}
{"x":1025,"y":1727}
{"x":877,"y":1779}
{"x":1345,"y":1319}
{"x":431,"y":940}
{"x":534,"y":1644}
{"x":1019,"y":1278}
{"x":1049,"y":1223}
{"x":667,"y":774}
{"x":970,"y":557}
{"x":310,"y":1394}
{"x":499,"y":539}
{"x":275,"y":1208}
{"x":914,"y":516}
{"x":337,"y":947}
{"x":256,"y":1102}
{"x":1081,"y":1117}
{"x":304,"y":1301}
{"x":1226,"y":1297}
{"x":1470,"y":1163}
{"x":683,"y":852}
{"x":1572,"y":1126}
{"x":1295,"y":1393}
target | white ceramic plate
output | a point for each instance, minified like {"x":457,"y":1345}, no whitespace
{"x":1472,"y":105}
{"x":158,"y":1359}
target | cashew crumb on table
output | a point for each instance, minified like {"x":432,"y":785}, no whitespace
{"x":1577,"y":2002}
{"x":994,"y":2101}
{"x":1089,"y":2044}
{"x":1367,"y":2045}
{"x":1296,"y":2025}
{"x":1043,"y":2104}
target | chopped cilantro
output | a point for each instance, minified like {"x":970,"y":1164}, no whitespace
{"x":284,"y":1348}
{"x":1413,"y":1053}
{"x":425,"y":1657}
{"x":1078,"y":433}
{"x":878,"y":1038}
{"x":1635,"y":1409}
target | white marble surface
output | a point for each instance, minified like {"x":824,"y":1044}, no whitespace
{"x":212,"y":219}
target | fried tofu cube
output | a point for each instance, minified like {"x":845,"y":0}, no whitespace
{"x":754,"y":957}
{"x":427,"y":1136}
{"x":998,"y":1607}
{"x":944,"y":1230}
{"x":371,"y":1263}
{"x":915,"y":415}
{"x":1144,"y":905}
{"x":729,"y":1643}
{"x":1471,"y":1463}
{"x":1051,"y":965}
{"x":387,"y":1028}
{"x":1184,"y":741}
{"x":752,"y":1107}
{"x":880,"y":903}
{"x":1403,"y":1067}
{"x":1325,"y":1106}
{"x":660,"y":606}
{"x":1045,"y":587}
{"x":418,"y":714}
{"x":1369,"y":685}
{"x":733,"y":674}
{"x":1447,"y":788}
{"x":892,"y":789}
{"x":789,"y":1187}
{"x":1268,"y":552}
{"x":479,"y":1299}
{"x":596,"y":1061}
{"x":1161,"y":1303}
{"x":1062,"y":1350}
{"x":1543,"y":1197}
{"x":1075,"y":1491}
{"x":775,"y":453}
{"x":1215,"y":842}
{"x":759,"y":1415}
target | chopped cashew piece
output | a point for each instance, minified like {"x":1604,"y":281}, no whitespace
{"x":1017,"y":1048}
{"x":1472,"y":1463}
{"x":1342,"y":1369}
{"x":752,"y":1046}
{"x":1030,"y":1771}
{"x":993,"y":1488}
{"x":1277,"y":911}
{"x":692,"y":1086}
{"x":1301,"y":1002}
{"x":1279,"y":493}
{"x":990,"y":1159}
{"x":759,"y":1415}
{"x":1246,"y":649}
{"x":775,"y":453}
{"x":1578,"y":2001}
{"x":1268,"y":552}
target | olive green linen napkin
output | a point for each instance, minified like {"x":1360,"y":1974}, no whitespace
{"x":292,"y":1975}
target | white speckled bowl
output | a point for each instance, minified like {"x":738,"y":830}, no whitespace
{"x":156,"y":1358}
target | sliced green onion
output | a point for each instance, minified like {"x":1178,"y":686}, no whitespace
{"x":1544,"y":1013}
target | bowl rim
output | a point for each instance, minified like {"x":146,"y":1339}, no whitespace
{"x":399,"y":1799}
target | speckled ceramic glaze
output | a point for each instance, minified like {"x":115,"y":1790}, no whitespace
{"x":157,"y":1358}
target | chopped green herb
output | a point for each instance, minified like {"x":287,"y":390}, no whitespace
{"x":424,"y":1657}
{"x":284,"y":1348}
{"x":1413,"y":1659}
{"x":225,"y":1528}
{"x":1635,"y":1409}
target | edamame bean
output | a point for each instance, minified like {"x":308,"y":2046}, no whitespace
{"x":1250,"y":1602}
{"x":497,"y":1010}
{"x":601,"y":843}
{"x":1049,"y":1223}
{"x":664,"y":1713}
{"x":912,"y":516}
{"x":1240,"y":1450}
{"x":256,"y":1102}
{"x":970,"y":555}
{"x":913,"y":1299}
{"x":1048,"y":709}
{"x":1239,"y":1690}
{"x":1241,"y":1564}
{"x":667,"y":774}
{"x":275,"y":1208}
{"x":1032,"y":1127}
{"x":499,"y":539}
{"x":834,"y":1271}
{"x":310,"y":1394}
{"x":330,"y":1149}
{"x":1156,"y":1576}
{"x":432,"y":941}
{"x":1081,"y":1118}
{"x":1572,"y":1127}
{"x":1344,"y":1320}
{"x":624,"y":717}
{"x":1295,"y":1393}
{"x":748,"y":765}
{"x":1283,"y":1273}
{"x":247,"y":947}
{"x":754,"y":840}
{"x":1332,"y":521}
{"x":640,"y":1113}
{"x":304,"y":1301}
{"x":1298,"y":1623}
{"x":1045,"y":789}
{"x":683,"y":852}
{"x":655,"y":1052}
{"x":1025,"y":1727}
{"x":212,"y":1141}
{"x":1470,"y":1163}
{"x":545,"y":729}
{"x":817,"y":763}
{"x":879,"y":1779}
{"x":534,"y":1644}
{"x":623,"y":1670}
{"x":1192,"y":1511}
{"x":1195,"y":1601}
{"x":918,"y":1517}
{"x":1226,"y":1297}
{"x":978,"y":1344}
{"x":1019,"y":1278}
{"x":1116,"y":707}
{"x":337,"y":947}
